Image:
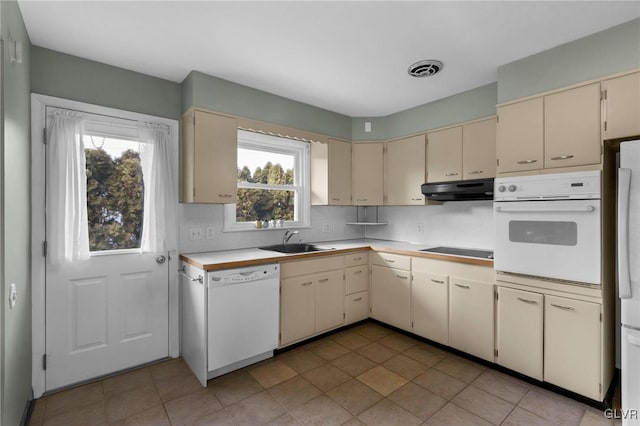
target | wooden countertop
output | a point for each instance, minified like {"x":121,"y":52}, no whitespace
{"x":211,"y":261}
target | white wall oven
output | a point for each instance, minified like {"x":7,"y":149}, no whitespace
{"x":549,"y":226}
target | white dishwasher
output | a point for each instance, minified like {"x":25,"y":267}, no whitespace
{"x":231,"y":319}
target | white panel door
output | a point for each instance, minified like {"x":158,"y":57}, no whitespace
{"x":103,"y":315}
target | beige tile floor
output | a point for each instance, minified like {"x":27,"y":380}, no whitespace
{"x":364,"y":375}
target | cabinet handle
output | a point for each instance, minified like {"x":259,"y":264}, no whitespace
{"x":355,"y":259}
{"x":451,"y":174}
{"x":562,"y":157}
{"x":527,"y":161}
{"x":358,"y":299}
{"x":438,"y":281}
{"x":566,"y":308}
{"x":335,"y":199}
{"x":404,"y":277}
{"x":476,"y":172}
{"x":362,"y":199}
{"x":225,"y":195}
{"x":390,"y":261}
{"x":357,"y":272}
{"x":324,"y":280}
{"x":461,"y":286}
{"x":307,"y":283}
{"x":416,"y":199}
{"x":531,"y":302}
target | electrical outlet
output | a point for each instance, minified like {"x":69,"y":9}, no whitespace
{"x":210,"y":232}
{"x":195,"y":233}
{"x":325,"y":227}
{"x":420,"y":228}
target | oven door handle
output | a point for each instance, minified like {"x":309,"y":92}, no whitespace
{"x":585,"y":209}
{"x":624,"y":275}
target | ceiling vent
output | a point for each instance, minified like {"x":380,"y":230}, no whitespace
{"x":425,"y":68}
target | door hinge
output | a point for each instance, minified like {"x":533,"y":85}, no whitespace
{"x":44,"y":248}
{"x":600,"y":387}
{"x":44,"y":136}
{"x":194,"y":192}
{"x":412,"y":324}
{"x":497,"y":118}
{"x":44,"y":361}
{"x":344,"y":315}
{"x":497,"y":296}
{"x":605,"y":126}
{"x":496,"y":353}
{"x":370,"y":310}
{"x":600,"y":316}
{"x":605,"y":94}
{"x":497,"y":162}
{"x":194,"y":118}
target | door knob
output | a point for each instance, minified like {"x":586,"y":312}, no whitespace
{"x":160,"y":259}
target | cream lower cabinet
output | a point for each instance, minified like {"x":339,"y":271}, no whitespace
{"x":311,"y":303}
{"x":520,"y":330}
{"x":471,"y":317}
{"x":391,"y":289}
{"x":430,"y":305}
{"x":356,"y":287}
{"x":572,"y":345}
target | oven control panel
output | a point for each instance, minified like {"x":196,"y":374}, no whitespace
{"x":557,"y":186}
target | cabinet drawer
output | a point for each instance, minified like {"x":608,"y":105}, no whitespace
{"x":355,"y":259}
{"x":312,"y":266}
{"x":357,"y":307}
{"x":357,"y":279}
{"x":391,"y":260}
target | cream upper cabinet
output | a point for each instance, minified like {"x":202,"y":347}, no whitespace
{"x":444,"y":155}
{"x":520,"y":133}
{"x":519,"y":331}
{"x":430,"y":306}
{"x":331,"y":172}
{"x":391,"y":296}
{"x":209,"y":158}
{"x":471,"y":317}
{"x":572,"y":346}
{"x":479,"y":149}
{"x":368,"y":173}
{"x":405,"y":171}
{"x":572,"y":127}
{"x":622,"y":106}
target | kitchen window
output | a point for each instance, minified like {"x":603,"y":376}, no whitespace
{"x":273,"y":183}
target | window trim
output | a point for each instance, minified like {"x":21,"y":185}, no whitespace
{"x":301,"y":177}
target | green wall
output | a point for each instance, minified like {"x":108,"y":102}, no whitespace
{"x":214,"y":93}
{"x":475,"y":103}
{"x":65,"y":76}
{"x":16,"y":220}
{"x":607,"y":52}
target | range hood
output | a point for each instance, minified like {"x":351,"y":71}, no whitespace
{"x":459,"y":190}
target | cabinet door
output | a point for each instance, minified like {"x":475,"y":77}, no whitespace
{"x":572,"y":331}
{"x":405,"y":171}
{"x":520,"y":136}
{"x":329,"y":289}
{"x":520,"y":331}
{"x":430,"y":306}
{"x":357,"y":307}
{"x":622,"y":106}
{"x":215,"y":164}
{"x":357,"y":279}
{"x":479,"y":150}
{"x":444,"y":155}
{"x":471,"y":317}
{"x":367,"y":174}
{"x":339,"y":172}
{"x":572,"y":127}
{"x":297,"y":309}
{"x":391,"y":296}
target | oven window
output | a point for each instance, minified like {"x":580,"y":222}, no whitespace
{"x":543,"y":232}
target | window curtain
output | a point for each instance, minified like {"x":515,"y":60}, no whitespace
{"x":67,"y":224}
{"x":160,"y":193}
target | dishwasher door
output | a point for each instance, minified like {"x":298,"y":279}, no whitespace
{"x":243,"y":320}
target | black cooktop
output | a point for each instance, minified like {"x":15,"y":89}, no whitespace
{"x":481,"y":254}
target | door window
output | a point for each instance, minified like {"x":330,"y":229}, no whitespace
{"x":115,"y":189}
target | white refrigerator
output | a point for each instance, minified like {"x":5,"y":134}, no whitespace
{"x":629,"y":278}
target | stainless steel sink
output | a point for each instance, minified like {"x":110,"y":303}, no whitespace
{"x":293,"y":248}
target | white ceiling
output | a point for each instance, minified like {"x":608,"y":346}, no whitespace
{"x":346,"y":56}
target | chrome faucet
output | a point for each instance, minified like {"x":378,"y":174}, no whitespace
{"x":287,"y":236}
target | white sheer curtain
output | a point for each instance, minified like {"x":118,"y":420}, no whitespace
{"x":67,"y":225}
{"x":160,"y":192}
